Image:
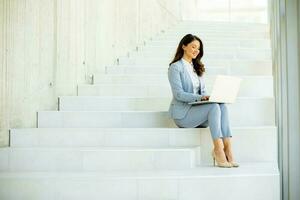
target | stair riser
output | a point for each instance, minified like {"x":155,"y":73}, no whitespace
{"x":107,"y":119}
{"x":250,"y":87}
{"x":95,"y":188}
{"x":217,"y":53}
{"x":52,"y":119}
{"x":262,"y":147}
{"x":248,"y":146}
{"x":259,"y":70}
{"x":258,"y":110}
{"x":143,"y":137}
{"x":167,"y":59}
{"x":215,"y":34}
{"x":162,"y":79}
{"x":211,"y":41}
{"x":219,"y":28}
{"x":256,"y":54}
{"x":171,"y":47}
{"x":31,"y":159}
{"x":213,"y":44}
{"x":215,"y":63}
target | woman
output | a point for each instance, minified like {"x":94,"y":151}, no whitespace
{"x":186,"y":79}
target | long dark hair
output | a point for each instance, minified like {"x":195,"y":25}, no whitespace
{"x":198,"y":65}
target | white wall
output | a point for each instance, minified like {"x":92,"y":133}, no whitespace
{"x":47,"y":47}
{"x":285,"y":26}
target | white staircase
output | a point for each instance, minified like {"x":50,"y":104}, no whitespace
{"x":115,"y":140}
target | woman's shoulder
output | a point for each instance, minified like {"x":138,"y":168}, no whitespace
{"x":176,"y":65}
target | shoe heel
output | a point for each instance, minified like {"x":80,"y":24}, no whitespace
{"x":225,"y":164}
{"x":213,"y":157}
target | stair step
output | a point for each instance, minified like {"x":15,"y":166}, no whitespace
{"x":263,"y":69}
{"x":216,"y":43}
{"x":144,"y":185}
{"x":227,"y":54}
{"x":166,"y":60}
{"x":158,"y":86}
{"x":253,"y":144}
{"x":155,"y":59}
{"x":225,"y":51}
{"x":215,"y":34}
{"x":260,"y":109}
{"x":215,"y":63}
{"x":162,"y":79}
{"x":208,"y":63}
{"x":247,"y":26}
{"x":219,"y":27}
{"x":131,"y":119}
{"x":104,"y":158}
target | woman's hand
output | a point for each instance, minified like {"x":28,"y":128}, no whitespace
{"x":205,"y":98}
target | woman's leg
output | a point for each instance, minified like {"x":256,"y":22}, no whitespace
{"x":214,"y":121}
{"x":228,"y":149}
{"x":215,"y":125}
{"x":225,"y":127}
{"x":207,"y":114}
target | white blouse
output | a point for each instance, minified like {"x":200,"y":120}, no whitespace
{"x":194,"y":77}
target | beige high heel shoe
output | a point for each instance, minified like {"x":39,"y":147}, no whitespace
{"x":220,"y":164}
{"x":234,"y":164}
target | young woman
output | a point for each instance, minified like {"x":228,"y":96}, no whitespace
{"x":186,"y":79}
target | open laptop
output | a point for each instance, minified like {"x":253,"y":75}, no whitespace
{"x":225,"y":90}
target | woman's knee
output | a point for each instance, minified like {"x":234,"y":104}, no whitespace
{"x":223,"y":106}
{"x":214,"y":107}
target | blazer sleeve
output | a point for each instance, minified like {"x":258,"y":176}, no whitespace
{"x":176,"y":86}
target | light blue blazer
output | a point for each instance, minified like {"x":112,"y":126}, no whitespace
{"x":182,"y":90}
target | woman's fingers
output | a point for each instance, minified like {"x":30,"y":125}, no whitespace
{"x":205,"y":98}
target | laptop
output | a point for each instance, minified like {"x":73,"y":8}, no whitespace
{"x":225,"y":90}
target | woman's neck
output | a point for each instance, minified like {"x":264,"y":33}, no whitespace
{"x":188,"y":59}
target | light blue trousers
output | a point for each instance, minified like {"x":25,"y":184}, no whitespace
{"x":214,"y":115}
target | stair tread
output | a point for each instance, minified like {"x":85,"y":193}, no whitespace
{"x":245,"y":169}
{"x":154,"y":97}
{"x":135,"y":129}
{"x":105,"y":148}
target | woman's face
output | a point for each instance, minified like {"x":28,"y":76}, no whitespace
{"x":192,"y":49}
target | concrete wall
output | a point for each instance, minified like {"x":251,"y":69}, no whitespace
{"x":285,"y":26}
{"x":47,"y":47}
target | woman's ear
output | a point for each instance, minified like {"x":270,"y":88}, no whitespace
{"x":183,"y":47}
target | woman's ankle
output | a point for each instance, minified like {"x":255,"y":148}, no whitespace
{"x":220,"y":154}
{"x":228,"y":153}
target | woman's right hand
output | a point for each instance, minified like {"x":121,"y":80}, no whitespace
{"x":205,"y":98}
